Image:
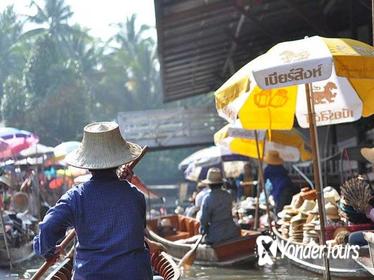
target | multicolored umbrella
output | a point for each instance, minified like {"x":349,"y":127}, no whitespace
{"x":17,"y":139}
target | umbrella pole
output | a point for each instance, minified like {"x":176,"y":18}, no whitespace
{"x":261,"y":175}
{"x":257,"y":212}
{"x":317,"y":175}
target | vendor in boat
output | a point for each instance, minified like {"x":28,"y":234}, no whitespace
{"x":108,"y":214}
{"x":244,"y":182}
{"x":216,"y":219}
{"x":282,"y":187}
{"x":357,"y":238}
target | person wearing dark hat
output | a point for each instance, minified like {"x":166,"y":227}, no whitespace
{"x":216,"y":219}
{"x":282,"y":187}
{"x":107,"y":214}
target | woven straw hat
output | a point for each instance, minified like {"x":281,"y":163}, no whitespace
{"x":213,"y":177}
{"x":272,"y":157}
{"x":103,"y":147}
{"x":307,"y":206}
{"x":5,"y":180}
{"x":368,"y":153}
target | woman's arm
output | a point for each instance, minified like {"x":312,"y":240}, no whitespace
{"x":53,"y":227}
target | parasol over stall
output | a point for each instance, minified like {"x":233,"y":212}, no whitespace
{"x":195,"y":166}
{"x":17,"y":140}
{"x":270,"y":90}
{"x":290,"y":145}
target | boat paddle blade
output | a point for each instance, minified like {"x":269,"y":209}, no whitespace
{"x":188,"y":259}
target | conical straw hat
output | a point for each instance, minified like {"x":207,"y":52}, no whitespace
{"x":368,"y":153}
{"x":272,"y":157}
{"x":103,"y":147}
{"x":214,"y":176}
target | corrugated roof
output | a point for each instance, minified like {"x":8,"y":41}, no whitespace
{"x":202,"y":42}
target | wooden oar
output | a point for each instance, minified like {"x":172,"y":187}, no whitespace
{"x":190,"y":256}
{"x":47,"y":264}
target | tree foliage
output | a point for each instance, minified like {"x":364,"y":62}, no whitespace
{"x":56,"y":78}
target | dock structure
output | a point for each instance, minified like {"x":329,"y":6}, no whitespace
{"x":202,"y":43}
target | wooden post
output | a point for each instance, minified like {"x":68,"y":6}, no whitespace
{"x":317,"y":175}
{"x":5,"y":240}
{"x":372,"y":19}
{"x":261,"y":177}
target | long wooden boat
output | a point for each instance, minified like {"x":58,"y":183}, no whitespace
{"x":232,"y":252}
{"x":162,"y":264}
{"x":339,"y":267}
{"x":17,"y":255}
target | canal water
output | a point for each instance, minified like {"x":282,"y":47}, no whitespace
{"x":280,"y":270}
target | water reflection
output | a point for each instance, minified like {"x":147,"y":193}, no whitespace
{"x":281,"y":270}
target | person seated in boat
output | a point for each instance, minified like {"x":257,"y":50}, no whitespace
{"x":357,"y":238}
{"x":216,"y":219}
{"x":166,"y":228}
{"x":282,"y":187}
{"x":203,"y":191}
{"x":244,"y":186}
{"x":108,"y":214}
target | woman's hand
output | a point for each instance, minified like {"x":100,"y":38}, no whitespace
{"x":125,"y":173}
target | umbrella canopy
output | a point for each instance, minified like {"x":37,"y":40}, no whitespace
{"x":210,"y":156}
{"x":289,"y":144}
{"x":61,"y":150}
{"x":17,"y":139}
{"x":267,"y":92}
{"x":35,"y":150}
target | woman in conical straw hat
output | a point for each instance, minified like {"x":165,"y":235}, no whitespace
{"x":108,"y":214}
{"x":282,"y":187}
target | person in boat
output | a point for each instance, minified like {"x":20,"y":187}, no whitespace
{"x":203,"y":191}
{"x":357,"y":238}
{"x":282,"y":187}
{"x":216,"y":219}
{"x":108,"y":214}
{"x":243,"y":182}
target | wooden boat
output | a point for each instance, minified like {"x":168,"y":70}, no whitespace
{"x":339,"y":267}
{"x":232,"y":252}
{"x":367,"y":260}
{"x":366,"y":264}
{"x":162,"y":264}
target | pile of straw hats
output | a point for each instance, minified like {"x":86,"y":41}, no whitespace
{"x":311,"y":234}
{"x":296,"y":227}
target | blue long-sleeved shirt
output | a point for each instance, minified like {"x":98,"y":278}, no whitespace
{"x":216,"y":217}
{"x":109,"y":218}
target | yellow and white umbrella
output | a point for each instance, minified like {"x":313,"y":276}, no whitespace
{"x":268,"y":92}
{"x":289,"y":144}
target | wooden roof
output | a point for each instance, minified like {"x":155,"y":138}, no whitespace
{"x":202,"y":42}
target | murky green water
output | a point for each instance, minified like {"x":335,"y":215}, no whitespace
{"x":280,"y":270}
